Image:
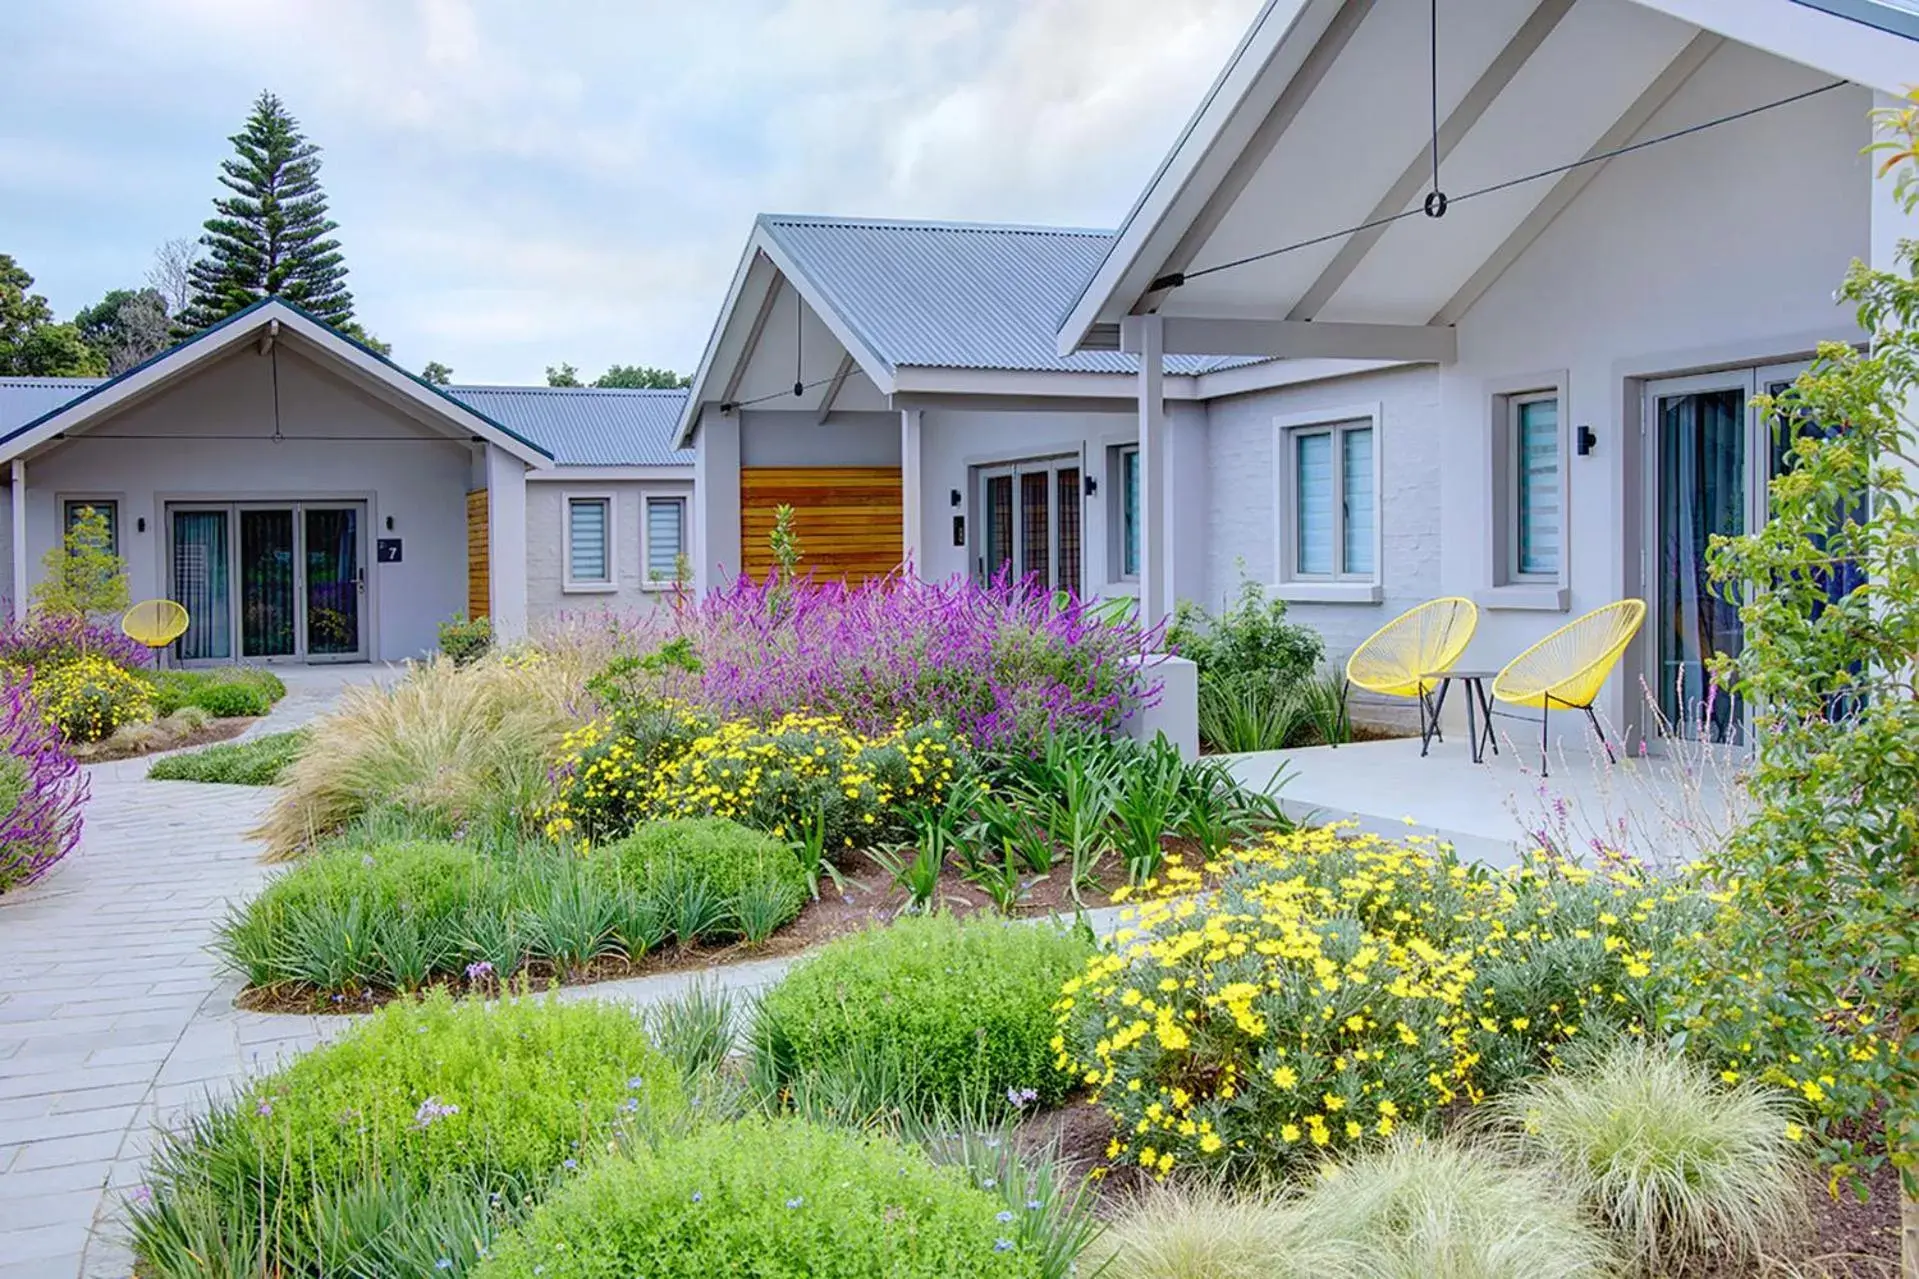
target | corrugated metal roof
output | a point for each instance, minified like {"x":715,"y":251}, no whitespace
{"x":579,"y":426}
{"x":1900,"y":17}
{"x":24,"y":399}
{"x":957,"y":295}
{"x":587,"y":426}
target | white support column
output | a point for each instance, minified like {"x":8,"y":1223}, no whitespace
{"x":1148,"y":330}
{"x":19,"y":539}
{"x":1889,"y":223}
{"x":910,"y":492}
{"x":506,"y":542}
{"x":716,"y":500}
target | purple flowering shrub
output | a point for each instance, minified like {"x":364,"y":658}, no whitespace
{"x":47,"y":640}
{"x":41,"y":791}
{"x":1003,"y":665}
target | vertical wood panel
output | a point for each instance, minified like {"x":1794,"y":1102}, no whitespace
{"x":479,"y":601}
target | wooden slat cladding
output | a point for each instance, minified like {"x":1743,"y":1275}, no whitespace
{"x":847,"y":518}
{"x":479,"y":594}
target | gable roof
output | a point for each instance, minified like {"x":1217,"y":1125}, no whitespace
{"x":956,"y":295}
{"x":1288,"y":48}
{"x":579,"y":426}
{"x":237,"y":329}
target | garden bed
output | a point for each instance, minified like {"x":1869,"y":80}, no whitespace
{"x":159,"y":736}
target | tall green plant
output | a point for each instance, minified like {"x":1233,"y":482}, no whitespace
{"x":83,"y":577}
{"x":1824,"y":878}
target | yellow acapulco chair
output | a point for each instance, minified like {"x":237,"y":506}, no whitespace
{"x":1570,"y":666}
{"x":155,"y":623}
{"x":1401,"y":658}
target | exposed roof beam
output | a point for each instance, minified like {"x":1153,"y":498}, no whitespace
{"x":732,"y":391}
{"x":1492,"y":82}
{"x":1567,"y":189}
{"x":833,"y":388}
{"x":1285,"y":109}
{"x":1299,"y":339}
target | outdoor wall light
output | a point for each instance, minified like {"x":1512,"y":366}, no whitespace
{"x":389,"y":523}
{"x":953,"y":497}
{"x":1092,"y":487}
{"x":1585,"y":440}
{"x":140,"y":525}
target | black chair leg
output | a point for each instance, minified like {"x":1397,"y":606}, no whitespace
{"x":1545,"y":749}
{"x":1593,"y":719}
{"x":1342,"y":723}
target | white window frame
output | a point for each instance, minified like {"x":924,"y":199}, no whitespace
{"x":99,"y":501}
{"x":684,"y":502}
{"x":1338,"y":587}
{"x":568,"y":583}
{"x":1116,"y":477}
{"x":1510,"y":489}
{"x":1506,"y":588}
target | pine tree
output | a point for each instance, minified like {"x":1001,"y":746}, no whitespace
{"x":271,"y":236}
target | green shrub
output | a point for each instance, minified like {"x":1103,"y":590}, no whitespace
{"x":423,"y":1095}
{"x":756,"y":1198}
{"x":731,"y":859}
{"x":1329,"y":988}
{"x":956,"y":1013}
{"x":258,"y":761}
{"x":233,"y":701}
{"x":466,"y":640}
{"x":1683,"y":1169}
{"x":1250,"y":638}
{"x":90,"y":698}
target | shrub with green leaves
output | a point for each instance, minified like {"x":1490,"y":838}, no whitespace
{"x":233,"y":701}
{"x":1250,"y":637}
{"x":724,"y":853}
{"x":258,"y":761}
{"x":768,"y":1198}
{"x":89,"y":698}
{"x":956,"y":1014}
{"x":423,"y":1098}
{"x":223,"y":693}
{"x":1685,"y":1169}
{"x":466,"y":640}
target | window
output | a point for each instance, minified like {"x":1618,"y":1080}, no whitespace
{"x":1534,"y":500}
{"x":107,"y":507}
{"x":1129,"y":512}
{"x":1030,"y":523}
{"x":589,"y":543}
{"x":1331,"y":478}
{"x":665,"y":538}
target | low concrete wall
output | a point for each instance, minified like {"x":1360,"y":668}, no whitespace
{"x":1176,"y":714}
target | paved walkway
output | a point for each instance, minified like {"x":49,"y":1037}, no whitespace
{"x":116,"y":1020}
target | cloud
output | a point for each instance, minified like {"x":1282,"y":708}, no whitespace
{"x":523,"y":184}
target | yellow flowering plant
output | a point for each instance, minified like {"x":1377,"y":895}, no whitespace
{"x":1320,"y":988}
{"x":801,"y":772}
{"x":90,"y":697}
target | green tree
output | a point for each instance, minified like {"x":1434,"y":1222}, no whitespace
{"x":643,"y":377}
{"x":562,"y":375}
{"x":436,"y":373}
{"x":31,"y":344}
{"x":1821,"y":949}
{"x":82,"y":577}
{"x":271,"y":236}
{"x":125,"y":327}
{"x":353,"y":330}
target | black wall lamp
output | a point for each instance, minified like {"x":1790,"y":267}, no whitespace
{"x":389,"y":523}
{"x":1092,"y":487}
{"x":140,"y":525}
{"x":953,"y":497}
{"x":1584,"y":440}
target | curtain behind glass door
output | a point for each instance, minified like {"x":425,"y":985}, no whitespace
{"x":200,"y":585}
{"x":1702,"y":492}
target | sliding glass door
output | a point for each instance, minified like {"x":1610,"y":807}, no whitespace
{"x":1030,"y":521}
{"x":265,"y":581}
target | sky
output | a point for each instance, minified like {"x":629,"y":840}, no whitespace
{"x":519,"y":184}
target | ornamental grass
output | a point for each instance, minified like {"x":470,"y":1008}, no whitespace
{"x":1321,"y":988}
{"x":464,"y":745}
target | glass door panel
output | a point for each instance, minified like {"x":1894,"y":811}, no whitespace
{"x":268,"y":621}
{"x":1067,"y":487}
{"x":1703,"y":466}
{"x":1035,"y":527}
{"x":996,"y":501}
{"x":334,"y":582}
{"x":200,"y":571}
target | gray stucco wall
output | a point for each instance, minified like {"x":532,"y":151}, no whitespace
{"x":209,"y":438}
{"x":546,"y":593}
{"x":1244,"y":502}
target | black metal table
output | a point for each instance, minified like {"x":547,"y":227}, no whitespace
{"x":1479,"y":709}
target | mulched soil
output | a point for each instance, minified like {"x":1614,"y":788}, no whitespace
{"x":215,"y":730}
{"x":868,"y":899}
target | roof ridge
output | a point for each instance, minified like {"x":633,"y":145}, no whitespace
{"x":932,"y":224}
{"x":456,"y":387}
